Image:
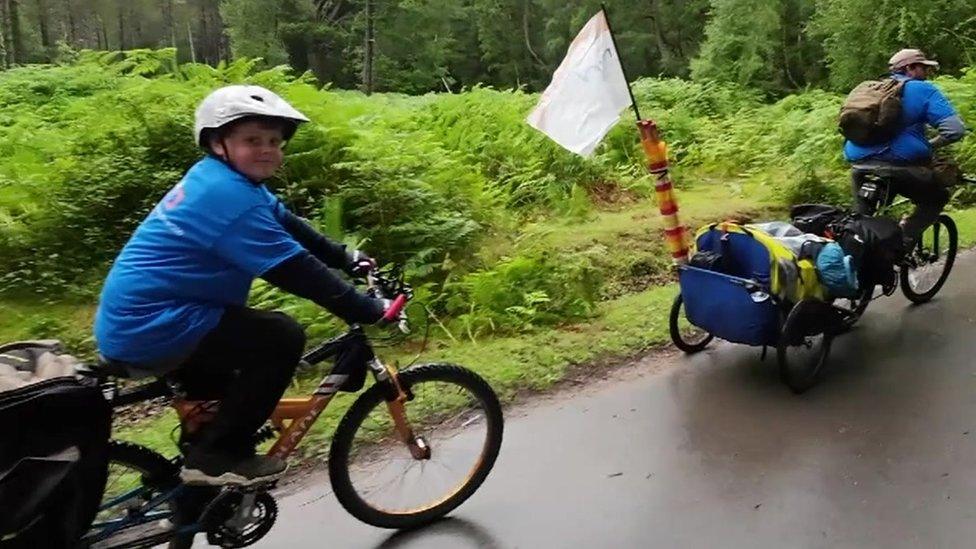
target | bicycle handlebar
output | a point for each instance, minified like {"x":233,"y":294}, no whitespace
{"x":396,"y":308}
{"x":389,"y":284}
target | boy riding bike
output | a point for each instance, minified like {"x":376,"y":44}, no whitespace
{"x":174,"y":302}
{"x":901,"y":150}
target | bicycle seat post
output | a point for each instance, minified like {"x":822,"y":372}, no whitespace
{"x":874,"y":189}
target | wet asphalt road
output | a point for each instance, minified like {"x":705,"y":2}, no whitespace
{"x":715,"y":452}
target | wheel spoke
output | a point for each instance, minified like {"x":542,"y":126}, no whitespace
{"x":802,"y":355}
{"x":457,"y":416}
{"x":125,"y":497}
{"x":930,"y":262}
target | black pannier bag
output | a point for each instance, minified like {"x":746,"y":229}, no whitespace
{"x":815,"y":218}
{"x":875,"y":244}
{"x":710,"y":261}
{"x":54,"y":438}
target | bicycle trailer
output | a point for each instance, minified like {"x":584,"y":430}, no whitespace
{"x":742,"y":299}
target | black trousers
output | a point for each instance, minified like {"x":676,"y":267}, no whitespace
{"x":246,"y":362}
{"x":920,"y":184}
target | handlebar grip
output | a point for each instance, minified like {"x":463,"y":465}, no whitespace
{"x":394,"y":311}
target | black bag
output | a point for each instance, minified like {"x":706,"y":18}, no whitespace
{"x":815,"y":218}
{"x":53,"y":461}
{"x":875,"y":245}
{"x":710,"y":261}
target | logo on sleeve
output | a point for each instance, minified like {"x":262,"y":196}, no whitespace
{"x":167,"y":204}
{"x":174,"y":197}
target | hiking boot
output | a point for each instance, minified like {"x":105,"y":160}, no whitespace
{"x":218,"y":469}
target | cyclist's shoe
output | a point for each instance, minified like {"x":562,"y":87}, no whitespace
{"x":914,"y":256}
{"x":910,"y":261}
{"x":216,"y":469}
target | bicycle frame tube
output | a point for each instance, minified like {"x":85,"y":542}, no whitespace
{"x":103,"y":530}
{"x":301,"y":413}
{"x":293,"y":417}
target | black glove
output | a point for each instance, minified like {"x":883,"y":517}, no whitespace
{"x":358,"y":264}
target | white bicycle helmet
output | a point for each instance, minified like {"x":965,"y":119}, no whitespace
{"x":230,"y":103}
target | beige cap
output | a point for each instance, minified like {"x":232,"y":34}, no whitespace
{"x":908,"y":57}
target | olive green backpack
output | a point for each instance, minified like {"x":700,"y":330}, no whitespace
{"x":871,"y":112}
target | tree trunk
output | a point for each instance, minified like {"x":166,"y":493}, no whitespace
{"x":528,"y":42}
{"x":368,"y":51}
{"x":135,"y":27}
{"x":104,"y":28}
{"x":42,"y":23}
{"x":98,"y":33}
{"x":169,"y":23}
{"x":189,"y":35}
{"x":204,"y":35}
{"x":663,"y":50}
{"x":18,"y":55}
{"x":221,"y":41}
{"x":4,"y":33}
{"x":211,"y":33}
{"x":72,"y":28}
{"x":121,"y":26}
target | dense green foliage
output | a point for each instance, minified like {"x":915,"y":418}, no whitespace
{"x":777,"y":46}
{"x":860,"y":35}
{"x":91,"y":146}
{"x":444,"y":183}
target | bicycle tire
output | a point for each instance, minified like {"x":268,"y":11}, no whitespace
{"x":859,"y":305}
{"x":905,"y":282}
{"x":689,"y":347}
{"x":342,"y":446}
{"x":154,"y":469}
{"x":796,"y":329}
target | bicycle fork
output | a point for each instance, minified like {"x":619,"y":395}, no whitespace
{"x":395,"y":399}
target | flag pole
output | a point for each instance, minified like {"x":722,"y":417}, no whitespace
{"x":675,"y":234}
{"x":613,"y":39}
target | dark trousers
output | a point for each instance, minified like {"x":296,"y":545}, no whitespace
{"x":920,"y":184}
{"x":246,"y":362}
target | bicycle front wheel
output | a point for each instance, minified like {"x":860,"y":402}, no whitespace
{"x":931,"y":260}
{"x":376,"y":477}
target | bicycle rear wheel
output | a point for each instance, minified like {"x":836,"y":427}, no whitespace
{"x":377,"y":479}
{"x":136,"y":475}
{"x":933,"y":257}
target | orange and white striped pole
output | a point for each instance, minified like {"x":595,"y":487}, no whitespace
{"x":656,"y":152}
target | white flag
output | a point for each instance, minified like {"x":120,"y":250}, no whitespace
{"x":587,"y":92}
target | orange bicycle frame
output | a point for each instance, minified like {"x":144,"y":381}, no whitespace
{"x":293,"y":417}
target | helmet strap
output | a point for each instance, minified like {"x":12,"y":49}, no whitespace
{"x":226,"y":160}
